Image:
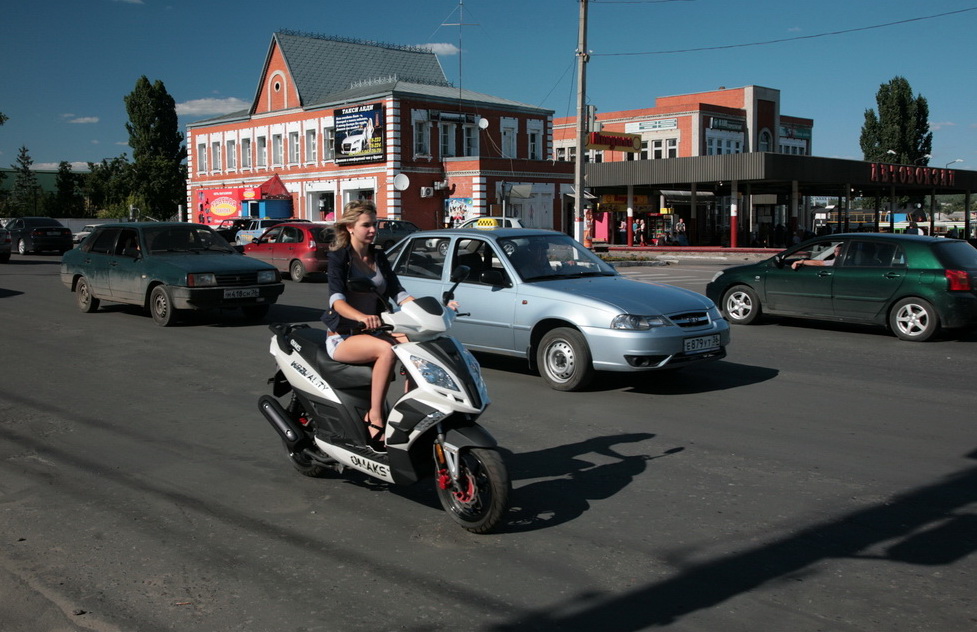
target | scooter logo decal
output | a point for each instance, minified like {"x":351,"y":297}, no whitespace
{"x":370,"y":466}
{"x":313,"y":379}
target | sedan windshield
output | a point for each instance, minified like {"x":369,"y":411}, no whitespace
{"x":545,"y":257}
{"x":189,"y":238}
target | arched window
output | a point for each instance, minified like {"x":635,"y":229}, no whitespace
{"x":765,"y":141}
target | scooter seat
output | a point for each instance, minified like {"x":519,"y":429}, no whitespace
{"x":339,"y":375}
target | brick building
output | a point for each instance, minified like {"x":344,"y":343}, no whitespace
{"x":335,"y":120}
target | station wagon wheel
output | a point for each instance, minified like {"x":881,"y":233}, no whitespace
{"x":161,"y":306}
{"x":740,"y":305}
{"x":914,"y":319}
{"x":83,"y":294}
{"x":297,"y":271}
{"x":564,"y":359}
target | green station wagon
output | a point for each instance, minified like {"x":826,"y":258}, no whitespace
{"x":913,"y":284}
{"x":168,"y":267}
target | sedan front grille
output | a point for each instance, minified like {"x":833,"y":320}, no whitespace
{"x":232,"y":279}
{"x":690,"y":319}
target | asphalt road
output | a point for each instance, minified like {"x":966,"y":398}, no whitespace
{"x":821,"y":477}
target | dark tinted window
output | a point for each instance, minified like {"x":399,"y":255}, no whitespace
{"x":322,"y":235}
{"x":104,"y":242}
{"x":957,"y":254}
{"x":870,"y":254}
{"x":41,"y":221}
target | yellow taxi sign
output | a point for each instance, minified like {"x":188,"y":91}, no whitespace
{"x":487,"y":222}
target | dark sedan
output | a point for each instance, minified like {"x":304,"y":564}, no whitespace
{"x":168,"y":267}
{"x":913,"y":284}
{"x":39,"y":234}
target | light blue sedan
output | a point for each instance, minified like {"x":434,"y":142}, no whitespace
{"x":540,"y":295}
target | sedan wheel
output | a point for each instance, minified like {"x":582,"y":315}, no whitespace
{"x":564,"y":360}
{"x":297,"y":271}
{"x":22,"y":247}
{"x":161,"y":306}
{"x":740,"y":305}
{"x":914,"y":319}
{"x":83,"y":294}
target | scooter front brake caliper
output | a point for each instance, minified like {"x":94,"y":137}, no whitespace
{"x":447,"y":460}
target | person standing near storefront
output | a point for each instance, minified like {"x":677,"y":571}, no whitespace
{"x":680,"y":235}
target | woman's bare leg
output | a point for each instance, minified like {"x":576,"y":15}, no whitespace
{"x":364,"y":349}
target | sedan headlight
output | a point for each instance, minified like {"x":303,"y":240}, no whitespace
{"x":634,"y":322}
{"x":267,"y":276}
{"x":202,"y":279}
{"x":433,"y":374}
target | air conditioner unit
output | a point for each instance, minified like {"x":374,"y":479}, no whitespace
{"x":427,"y":192}
{"x":438,"y":186}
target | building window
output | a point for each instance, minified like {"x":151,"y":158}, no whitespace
{"x":310,"y":146}
{"x":277,"y":150}
{"x":561,"y":154}
{"x":245,"y":153}
{"x":422,"y":139}
{"x":202,"y":158}
{"x":765,"y":143}
{"x":215,"y":156}
{"x":470,"y":140}
{"x":448,"y":140}
{"x":510,"y":132}
{"x":262,"y":151}
{"x":293,"y":148}
{"x":658,"y":149}
{"x":328,"y":143}
{"x":231,"y":154}
{"x":535,"y":145}
{"x":671,"y":148}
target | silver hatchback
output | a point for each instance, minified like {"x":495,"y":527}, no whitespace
{"x":540,"y":295}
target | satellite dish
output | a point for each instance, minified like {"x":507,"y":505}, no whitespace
{"x":401,"y":182}
{"x":483,"y":123}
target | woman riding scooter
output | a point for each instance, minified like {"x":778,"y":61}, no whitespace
{"x":353,"y":317}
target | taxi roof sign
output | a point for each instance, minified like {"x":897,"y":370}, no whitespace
{"x":487,"y":222}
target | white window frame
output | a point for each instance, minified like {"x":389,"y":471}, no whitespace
{"x":534,"y":131}
{"x":293,"y":148}
{"x":469,"y":141}
{"x":510,"y":137}
{"x":421,"y":128}
{"x":277,"y":150}
{"x":448,"y":140}
{"x":262,"y":149}
{"x":201,"y":157}
{"x":311,"y":153}
{"x":328,"y":143}
{"x":230,"y":154}
{"x":245,"y":153}
{"x":215,"y":155}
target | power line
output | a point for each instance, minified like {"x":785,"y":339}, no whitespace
{"x":787,"y":39}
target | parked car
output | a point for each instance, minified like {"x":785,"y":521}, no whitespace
{"x":228,"y":228}
{"x":255,"y":228}
{"x":168,"y":267}
{"x":913,"y":284}
{"x":390,"y":231}
{"x":39,"y":234}
{"x":5,"y":245}
{"x":298,"y":248}
{"x":84,"y":232}
{"x":540,"y":295}
{"x":490,"y":221}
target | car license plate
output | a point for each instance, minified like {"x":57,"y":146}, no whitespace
{"x":53,"y":233}
{"x":242,"y":293}
{"x":702,"y":343}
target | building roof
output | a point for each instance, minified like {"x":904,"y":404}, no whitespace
{"x":322,"y":66}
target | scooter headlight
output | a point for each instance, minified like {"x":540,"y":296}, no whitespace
{"x":433,"y":374}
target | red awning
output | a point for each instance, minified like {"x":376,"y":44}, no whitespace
{"x":274,"y":188}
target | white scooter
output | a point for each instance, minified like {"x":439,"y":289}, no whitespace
{"x":431,"y":430}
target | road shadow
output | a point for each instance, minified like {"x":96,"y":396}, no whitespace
{"x":705,"y":378}
{"x":931,"y":526}
{"x":5,"y":293}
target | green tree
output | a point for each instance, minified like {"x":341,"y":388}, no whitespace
{"x":158,"y":152}
{"x":901,"y":126}
{"x":107,"y":187}
{"x":67,"y":200}
{"x":26,"y":195}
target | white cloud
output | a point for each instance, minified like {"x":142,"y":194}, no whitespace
{"x":83,"y":120}
{"x":441,"y":49}
{"x":206,"y":107}
{"x":941,"y":124}
{"x":54,"y":166}
{"x":130,"y":1}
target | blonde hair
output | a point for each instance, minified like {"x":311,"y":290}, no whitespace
{"x":351,"y":214}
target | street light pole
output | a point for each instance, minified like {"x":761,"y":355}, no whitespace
{"x":578,"y":184}
{"x":952,"y":161}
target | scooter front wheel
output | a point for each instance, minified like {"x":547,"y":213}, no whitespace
{"x":481,"y":497}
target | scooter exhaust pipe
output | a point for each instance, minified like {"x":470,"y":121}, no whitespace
{"x":290,"y":431}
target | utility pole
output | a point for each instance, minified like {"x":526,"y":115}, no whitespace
{"x":578,"y":185}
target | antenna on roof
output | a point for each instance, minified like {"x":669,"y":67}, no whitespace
{"x":460,"y":23}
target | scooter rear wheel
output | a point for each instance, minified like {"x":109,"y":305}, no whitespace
{"x":483,"y":495}
{"x":304,"y":465}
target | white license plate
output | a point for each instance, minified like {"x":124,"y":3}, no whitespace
{"x":702,"y":343}
{"x":245,"y":293}
{"x":53,"y":233}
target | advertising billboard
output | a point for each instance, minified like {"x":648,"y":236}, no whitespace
{"x":359,"y":134}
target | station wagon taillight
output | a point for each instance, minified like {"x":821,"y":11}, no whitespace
{"x":958,"y":280}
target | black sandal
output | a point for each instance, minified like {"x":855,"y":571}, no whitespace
{"x":376,"y":441}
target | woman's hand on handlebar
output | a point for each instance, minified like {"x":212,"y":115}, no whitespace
{"x":371,"y":322}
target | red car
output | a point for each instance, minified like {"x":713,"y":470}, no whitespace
{"x":299,"y":248}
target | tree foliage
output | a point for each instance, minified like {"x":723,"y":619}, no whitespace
{"x":67,"y":200}
{"x":108,"y":186}
{"x":159,"y":175}
{"x":900,"y":126}
{"x":26,"y":196}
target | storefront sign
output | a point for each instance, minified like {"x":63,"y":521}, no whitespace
{"x":650,"y":126}
{"x":904,"y":174}
{"x":359,"y":134}
{"x":614,"y":141}
{"x":800,"y":133}
{"x":612,"y":198}
{"x":726,"y":124}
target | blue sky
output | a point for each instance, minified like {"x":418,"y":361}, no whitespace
{"x":69,"y":63}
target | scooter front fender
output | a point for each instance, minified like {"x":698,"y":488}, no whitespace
{"x":473,"y":436}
